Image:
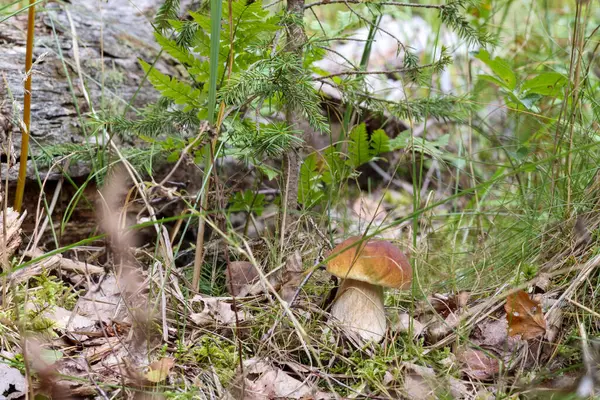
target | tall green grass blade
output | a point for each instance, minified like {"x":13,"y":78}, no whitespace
{"x":215,"y":37}
{"x":364,"y":62}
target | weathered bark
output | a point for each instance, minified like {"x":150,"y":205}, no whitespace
{"x":111,"y":36}
{"x":295,"y":39}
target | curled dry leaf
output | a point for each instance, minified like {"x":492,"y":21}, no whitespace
{"x":477,"y":364}
{"x":524,"y":316}
{"x":423,"y":383}
{"x":269,"y":382}
{"x":215,"y":311}
{"x":159,"y":370}
{"x":403,"y":324}
{"x":448,"y":304}
{"x":243,"y":277}
{"x":437,"y":329}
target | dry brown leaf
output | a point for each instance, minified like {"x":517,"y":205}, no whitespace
{"x":437,"y":329}
{"x":215,"y":311}
{"x":492,"y":333}
{"x":12,"y":220}
{"x":101,"y":303}
{"x":273,"y":383}
{"x":445,"y":305}
{"x":159,"y":370}
{"x":477,"y":364}
{"x":418,"y":388}
{"x":93,"y":352}
{"x":423,"y":383}
{"x":524,"y":316}
{"x":243,"y":277}
{"x":404,"y":322}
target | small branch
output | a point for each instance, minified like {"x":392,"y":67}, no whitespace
{"x":341,"y":39}
{"x":383,"y":3}
{"x":383,"y":72}
{"x":374,"y":27}
{"x":338,"y":54}
{"x":26,"y":109}
{"x":203,"y":128}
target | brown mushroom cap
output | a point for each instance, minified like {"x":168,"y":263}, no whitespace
{"x":378,"y":262}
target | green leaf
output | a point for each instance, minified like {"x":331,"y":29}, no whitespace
{"x":202,"y":20}
{"x":249,"y":202}
{"x":309,"y":192}
{"x":181,"y":93}
{"x":545,"y":84}
{"x":268,"y":171}
{"x":358,"y":148}
{"x":174,"y":50}
{"x":335,"y":169}
{"x":420,"y":145}
{"x":380,"y":143}
{"x":173,"y":157}
{"x":490,"y":78}
{"x":501,"y":69}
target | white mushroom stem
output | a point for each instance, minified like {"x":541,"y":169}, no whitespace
{"x":359,"y":308}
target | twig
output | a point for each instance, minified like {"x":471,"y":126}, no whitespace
{"x":428,"y":177}
{"x":203,"y":128}
{"x":26,"y":109}
{"x":374,"y":27}
{"x":342,"y":39}
{"x":338,"y":54}
{"x":383,"y":3}
{"x":388,"y":178}
{"x":382,"y":72}
{"x":39,"y":232}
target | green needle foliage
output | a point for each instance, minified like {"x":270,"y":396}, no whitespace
{"x":267,"y":82}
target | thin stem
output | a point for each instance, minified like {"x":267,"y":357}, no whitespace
{"x":215,"y":33}
{"x":26,"y":109}
{"x":383,"y":72}
{"x":382,"y":3}
{"x":364,"y":61}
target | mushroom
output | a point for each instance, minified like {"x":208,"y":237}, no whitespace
{"x":366,"y":269}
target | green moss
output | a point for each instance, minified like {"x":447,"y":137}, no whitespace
{"x":211,"y":351}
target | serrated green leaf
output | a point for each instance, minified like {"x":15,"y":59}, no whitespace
{"x":380,"y":143}
{"x":420,"y":145}
{"x":177,"y":52}
{"x":173,"y":157}
{"x":170,"y":87}
{"x":358,"y":148}
{"x":308,"y":188}
{"x":335,"y":170}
